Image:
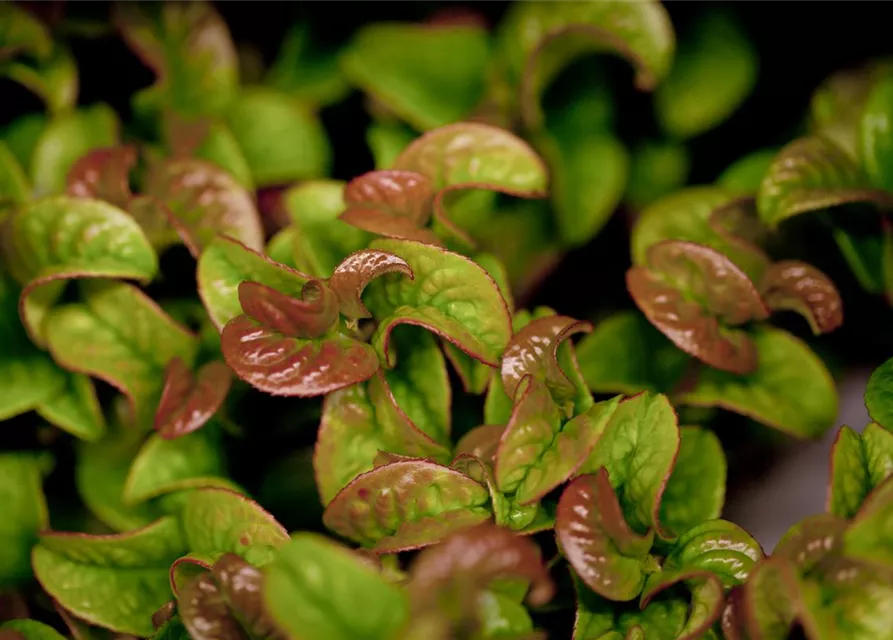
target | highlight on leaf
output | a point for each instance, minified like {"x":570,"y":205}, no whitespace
{"x":188,"y":401}
{"x":795,"y":286}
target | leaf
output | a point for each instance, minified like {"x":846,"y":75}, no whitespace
{"x":869,"y":538}
{"x":54,"y":78}
{"x":14,"y":187}
{"x":859,"y":463}
{"x":67,"y":138}
{"x":694,"y":294}
{"x":188,"y":402}
{"x":810,"y":174}
{"x":386,"y":141}
{"x":800,"y":287}
{"x":406,"y":505}
{"x":837,"y":105}
{"x":24,"y":505}
{"x":879,"y":395}
{"x":103,"y":174}
{"x":31,"y":630}
{"x":771,"y":599}
{"x":539,"y":39}
{"x":313,"y":587}
{"x":164,"y":466}
{"x":656,"y":170}
{"x":696,"y":489}
{"x":593,"y":535}
{"x":241,"y":586}
{"x":875,"y":138}
{"x":539,"y":450}
{"x":217,"y":520}
{"x":22,"y":136}
{"x":23,"y":34}
{"x":714,"y":70}
{"x":306,"y":72}
{"x":626,"y":354}
{"x":321,"y":241}
{"x":61,"y":238}
{"x":638,"y":448}
{"x":75,"y":408}
{"x":205,"y":201}
{"x":356,"y":271}
{"x":811,"y":540}
{"x":439,"y":84}
{"x":120,"y":336}
{"x":357,"y":423}
{"x":312,"y":315}
{"x":205,"y":612}
{"x":88,"y":574}
{"x":225,"y":263}
{"x":189,"y":48}
{"x":791,"y":389}
{"x":745,"y":174}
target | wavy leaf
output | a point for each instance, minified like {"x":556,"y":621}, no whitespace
{"x":188,"y":401}
{"x":803,"y":288}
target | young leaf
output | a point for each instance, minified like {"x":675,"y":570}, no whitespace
{"x":694,"y":294}
{"x":595,"y":538}
{"x":205,"y":201}
{"x":626,"y":354}
{"x":439,"y":84}
{"x":312,"y":590}
{"x":103,"y":174}
{"x":25,"y":510}
{"x":791,"y":390}
{"x":714,"y":70}
{"x":225,"y":263}
{"x":406,"y":505}
{"x":879,"y":395}
{"x":467,"y":309}
{"x":188,"y":402}
{"x":638,"y":449}
{"x":803,"y":288}
{"x":356,"y":271}
{"x":696,"y":489}
{"x":875,"y":138}
{"x":88,"y":574}
{"x":859,"y":463}
{"x":809,"y":174}
{"x":119,"y":335}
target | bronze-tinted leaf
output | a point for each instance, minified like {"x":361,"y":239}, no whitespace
{"x":741,"y":236}
{"x":356,"y":271}
{"x":800,"y":287}
{"x":309,"y":317}
{"x":103,"y":174}
{"x":770,"y":600}
{"x":285,"y":366}
{"x":809,"y":541}
{"x":187,"y":401}
{"x":597,"y":541}
{"x":240,"y":584}
{"x":204,"y":611}
{"x":481,"y":442}
{"x":397,"y":194}
{"x":692,"y":293}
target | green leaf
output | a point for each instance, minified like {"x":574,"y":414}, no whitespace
{"x":88,"y":574}
{"x":626,"y":354}
{"x":218,"y":520}
{"x":189,"y":48}
{"x":387,"y":141}
{"x":656,"y":169}
{"x":870,"y":536}
{"x":440,"y":83}
{"x":859,"y":463}
{"x":225,"y":263}
{"x":281,"y":139}
{"x":745,"y":175}
{"x":306,"y":72}
{"x":219,"y":146}
{"x":771,"y":599}
{"x":837,"y":105}
{"x":312,"y":590}
{"x":592,"y":533}
{"x":879,"y":395}
{"x":22,"y":136}
{"x":32,"y":630}
{"x":696,"y":489}
{"x":811,"y":540}
{"x":119,"y":335}
{"x":501,"y":616}
{"x":75,"y":408}
{"x":14,"y":188}
{"x":22,"y":33}
{"x":875,"y":136}
{"x":25,"y":511}
{"x":791,"y":389}
{"x":638,"y":449}
{"x":538,"y":39}
{"x":416,"y":503}
{"x":465,"y":308}
{"x":810,"y":174}
{"x":714,"y":71}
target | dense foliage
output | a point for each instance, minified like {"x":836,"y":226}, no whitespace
{"x":363,"y":359}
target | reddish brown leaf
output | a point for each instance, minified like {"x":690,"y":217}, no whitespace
{"x":204,"y":611}
{"x":188,"y":402}
{"x":398,"y":194}
{"x":103,"y":174}
{"x":796,"y":286}
{"x":359,"y":269}
{"x":285,"y":366}
{"x":240,"y":584}
{"x":481,"y":442}
{"x":312,"y":316}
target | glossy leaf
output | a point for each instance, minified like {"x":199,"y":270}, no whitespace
{"x":313,"y":588}
{"x":810,"y":174}
{"x":406,"y":505}
{"x":88,"y":574}
{"x":103,"y":174}
{"x":21,"y":493}
{"x":811,"y":540}
{"x":791,"y":389}
{"x":188,"y":401}
{"x":593,"y":535}
{"x":466,"y":307}
{"x":694,"y":294}
{"x":879,"y":395}
{"x":803,"y":288}
{"x":875,"y":138}
{"x":312,"y":315}
{"x":205,"y":612}
{"x":241,"y":585}
{"x":439,"y":84}
{"x":119,"y":335}
{"x":356,"y":271}
{"x":859,"y":463}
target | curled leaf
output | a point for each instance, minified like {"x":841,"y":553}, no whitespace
{"x":803,"y":288}
{"x":395,"y":204}
{"x":692,"y":294}
{"x":357,"y":270}
{"x":311,"y":316}
{"x":103,"y":174}
{"x":187,"y":401}
{"x":406,"y":505}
